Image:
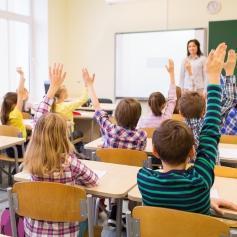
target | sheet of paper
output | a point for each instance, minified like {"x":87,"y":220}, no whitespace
{"x":214,"y":193}
{"x":100,"y":173}
{"x":228,"y":153}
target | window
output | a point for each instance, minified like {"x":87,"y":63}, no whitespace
{"x":15,"y":41}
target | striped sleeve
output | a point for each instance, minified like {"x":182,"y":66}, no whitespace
{"x":210,"y":136}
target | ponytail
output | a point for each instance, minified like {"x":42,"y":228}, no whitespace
{"x":155,"y":101}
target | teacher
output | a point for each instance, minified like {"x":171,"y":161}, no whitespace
{"x":192,"y":74}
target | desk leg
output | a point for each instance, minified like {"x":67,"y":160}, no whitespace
{"x":16,"y":158}
{"x":92,"y":130}
{"x":119,"y":217}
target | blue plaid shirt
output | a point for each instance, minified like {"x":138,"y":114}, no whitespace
{"x":230,"y":125}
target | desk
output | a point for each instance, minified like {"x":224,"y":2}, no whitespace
{"x":117,"y":182}
{"x":6,"y":142}
{"x":104,"y":106}
{"x":225,"y":149}
{"x":226,"y":188}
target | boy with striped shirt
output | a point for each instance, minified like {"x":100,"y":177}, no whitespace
{"x":173,"y":142}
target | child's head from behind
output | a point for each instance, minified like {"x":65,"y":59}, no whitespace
{"x":156,"y":102}
{"x":172,"y":142}
{"x":8,"y":104}
{"x":128,"y":112}
{"x":48,"y":145}
{"x":60,"y":95}
{"x":192,"y":105}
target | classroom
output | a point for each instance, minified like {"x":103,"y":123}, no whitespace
{"x":81,"y":34}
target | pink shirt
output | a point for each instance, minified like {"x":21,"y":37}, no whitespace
{"x":152,"y":121}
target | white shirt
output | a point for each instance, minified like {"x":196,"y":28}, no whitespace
{"x":198,"y":69}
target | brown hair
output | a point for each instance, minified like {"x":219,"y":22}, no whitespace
{"x":48,"y":146}
{"x":7,"y":106}
{"x":173,"y":141}
{"x":128,"y":112}
{"x":60,"y":90}
{"x":155,"y":101}
{"x":196,"y":42}
{"x":192,"y":104}
{"x":178,"y":95}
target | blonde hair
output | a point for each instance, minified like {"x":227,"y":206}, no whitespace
{"x":60,"y":90}
{"x":48,"y":146}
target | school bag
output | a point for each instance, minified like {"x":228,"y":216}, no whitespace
{"x":6,"y":228}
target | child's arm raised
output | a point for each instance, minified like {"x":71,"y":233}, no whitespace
{"x":228,"y":98}
{"x":89,"y":82}
{"x":210,"y":135}
{"x":170,"y":70}
{"x":188,"y":67}
{"x":56,"y":77}
{"x":20,"y":89}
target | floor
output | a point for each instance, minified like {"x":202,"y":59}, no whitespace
{"x":107,"y":230}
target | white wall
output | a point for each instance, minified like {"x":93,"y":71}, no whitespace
{"x":81,"y":32}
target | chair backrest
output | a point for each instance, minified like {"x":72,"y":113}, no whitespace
{"x":10,"y":131}
{"x":50,"y":201}
{"x":177,"y":117}
{"x":222,"y":171}
{"x":123,"y":157}
{"x":171,"y":222}
{"x":113,"y":120}
{"x":25,"y":115}
{"x":149,"y":131}
{"x":228,"y":139}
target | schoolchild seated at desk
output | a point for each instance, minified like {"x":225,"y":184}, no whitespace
{"x":173,"y":142}
{"x":124,"y":134}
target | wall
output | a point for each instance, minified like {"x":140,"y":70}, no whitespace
{"x":81,"y":32}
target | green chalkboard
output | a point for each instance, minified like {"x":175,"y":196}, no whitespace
{"x":223,"y":31}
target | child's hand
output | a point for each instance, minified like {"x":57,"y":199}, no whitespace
{"x":229,"y":65}
{"x":215,"y":63}
{"x":56,"y":76}
{"x":188,"y":67}
{"x":19,"y":70}
{"x":87,"y":79}
{"x":170,"y":69}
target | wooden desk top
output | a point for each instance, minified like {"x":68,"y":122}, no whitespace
{"x":94,"y":145}
{"x":104,"y":106}
{"x":6,"y":142}
{"x":226,"y":189}
{"x":116,"y":183}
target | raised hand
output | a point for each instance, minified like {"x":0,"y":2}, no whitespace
{"x":214,"y":63}
{"x":19,"y":70}
{"x":170,"y":69}
{"x":229,"y":65}
{"x":188,"y":67}
{"x":56,"y":75}
{"x":87,"y":79}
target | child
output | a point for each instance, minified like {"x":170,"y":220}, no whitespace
{"x":11,"y":112}
{"x":27,"y":106}
{"x":49,"y":157}
{"x":124,"y":134}
{"x":157,"y":103}
{"x":66,"y":108}
{"x":193,"y":104}
{"x":176,"y":187}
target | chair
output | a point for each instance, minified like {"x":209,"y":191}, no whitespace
{"x":228,"y":139}
{"x":25,"y":115}
{"x":222,"y":171}
{"x":50,"y":201}
{"x":113,"y":120}
{"x":149,"y":131}
{"x":106,"y":101}
{"x":177,"y":117}
{"x":8,"y":131}
{"x":171,"y":222}
{"x":123,"y":157}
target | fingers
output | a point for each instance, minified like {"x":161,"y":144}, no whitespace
{"x":210,"y":58}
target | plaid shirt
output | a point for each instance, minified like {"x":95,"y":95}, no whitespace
{"x":118,"y":137}
{"x":74,"y":172}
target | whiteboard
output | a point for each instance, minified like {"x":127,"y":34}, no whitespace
{"x":140,"y":59}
